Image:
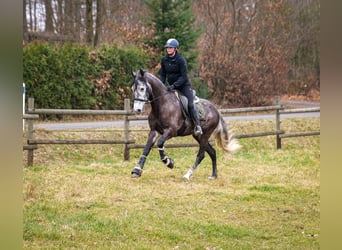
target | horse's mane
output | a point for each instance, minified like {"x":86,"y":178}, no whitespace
{"x":150,"y":75}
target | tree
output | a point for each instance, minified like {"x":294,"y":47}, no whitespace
{"x":99,"y":17}
{"x":304,"y":73}
{"x":244,"y":50}
{"x":89,"y":22}
{"x":49,"y":27}
{"x":173,"y":19}
{"x":68,"y":20}
{"x":25,"y":28}
{"x":247,"y":50}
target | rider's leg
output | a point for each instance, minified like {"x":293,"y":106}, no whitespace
{"x":195,"y":117}
{"x":187,"y":91}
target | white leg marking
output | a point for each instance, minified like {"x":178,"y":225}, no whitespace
{"x":187,"y":175}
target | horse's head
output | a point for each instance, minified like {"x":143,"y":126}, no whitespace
{"x":141,"y":91}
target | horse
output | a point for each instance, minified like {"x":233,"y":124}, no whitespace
{"x":166,"y":120}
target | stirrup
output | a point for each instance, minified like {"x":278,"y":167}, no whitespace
{"x":198,"y":130}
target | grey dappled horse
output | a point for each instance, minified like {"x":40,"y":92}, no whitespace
{"x":167,"y":120}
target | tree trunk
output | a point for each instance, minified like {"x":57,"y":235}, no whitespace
{"x":89,"y":22}
{"x":69,"y":20}
{"x":49,"y":17}
{"x":25,"y":30}
{"x":99,"y":18}
{"x":60,"y":17}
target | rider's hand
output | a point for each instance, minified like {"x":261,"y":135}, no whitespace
{"x":170,"y":88}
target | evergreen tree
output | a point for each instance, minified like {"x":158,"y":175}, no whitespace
{"x":173,"y":19}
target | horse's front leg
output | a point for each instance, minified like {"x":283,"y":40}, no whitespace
{"x":164,"y":158}
{"x":137,"y":170}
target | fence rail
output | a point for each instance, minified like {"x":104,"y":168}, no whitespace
{"x":85,"y":141}
{"x":78,"y":112}
{"x":300,"y":110}
{"x":33,"y":114}
{"x":251,"y":109}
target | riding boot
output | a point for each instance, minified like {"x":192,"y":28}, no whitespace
{"x":195,"y":118}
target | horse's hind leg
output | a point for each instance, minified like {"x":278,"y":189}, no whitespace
{"x":212,"y":153}
{"x":199,"y":158}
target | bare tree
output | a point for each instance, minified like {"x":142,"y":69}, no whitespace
{"x":69,"y":20}
{"x":49,"y":27}
{"x":99,"y":21}
{"x":25,"y":28}
{"x":243,"y":50}
{"x":89,"y":22}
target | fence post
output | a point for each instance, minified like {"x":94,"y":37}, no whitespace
{"x":126,"y":125}
{"x":277,"y":102}
{"x":30,"y":133}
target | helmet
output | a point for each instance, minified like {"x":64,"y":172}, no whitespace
{"x":173,"y":43}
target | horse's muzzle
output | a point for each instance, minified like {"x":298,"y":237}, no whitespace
{"x":138,"y":107}
{"x":138,"y":111}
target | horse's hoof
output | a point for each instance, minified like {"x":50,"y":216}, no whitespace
{"x":136,"y":172}
{"x":213,"y":177}
{"x":186,"y":178}
{"x":170,"y":164}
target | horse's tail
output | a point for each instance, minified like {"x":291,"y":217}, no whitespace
{"x":225,"y":138}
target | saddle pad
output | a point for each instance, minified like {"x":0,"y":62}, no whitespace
{"x":184,"y":105}
{"x":201,"y":112}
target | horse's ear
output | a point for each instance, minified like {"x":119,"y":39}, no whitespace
{"x":142,"y":72}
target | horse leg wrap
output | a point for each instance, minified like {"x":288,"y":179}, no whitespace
{"x":162,"y":153}
{"x":164,"y":158}
{"x":142,"y":160}
{"x":168,"y":162}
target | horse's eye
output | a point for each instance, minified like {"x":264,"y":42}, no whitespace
{"x":142,"y":89}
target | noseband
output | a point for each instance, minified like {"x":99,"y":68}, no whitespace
{"x":142,"y":100}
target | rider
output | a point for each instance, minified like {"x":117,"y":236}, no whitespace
{"x":173,"y":66}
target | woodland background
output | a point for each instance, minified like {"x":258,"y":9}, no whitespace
{"x":240,"y":52}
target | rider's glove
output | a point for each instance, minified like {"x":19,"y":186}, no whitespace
{"x":170,"y":88}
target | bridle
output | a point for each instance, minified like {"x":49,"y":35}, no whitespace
{"x":150,"y":93}
{"x":152,"y":100}
{"x":142,"y":100}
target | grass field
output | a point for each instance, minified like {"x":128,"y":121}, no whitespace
{"x":82,"y":196}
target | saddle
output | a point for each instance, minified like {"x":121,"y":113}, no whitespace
{"x":183,"y":100}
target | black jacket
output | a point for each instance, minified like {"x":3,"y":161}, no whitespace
{"x":175,"y":70}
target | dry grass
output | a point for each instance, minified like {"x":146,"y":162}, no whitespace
{"x":82,"y":196}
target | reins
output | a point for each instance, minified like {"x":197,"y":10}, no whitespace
{"x":153,"y":99}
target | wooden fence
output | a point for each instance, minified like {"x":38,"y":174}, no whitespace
{"x":33,"y":114}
